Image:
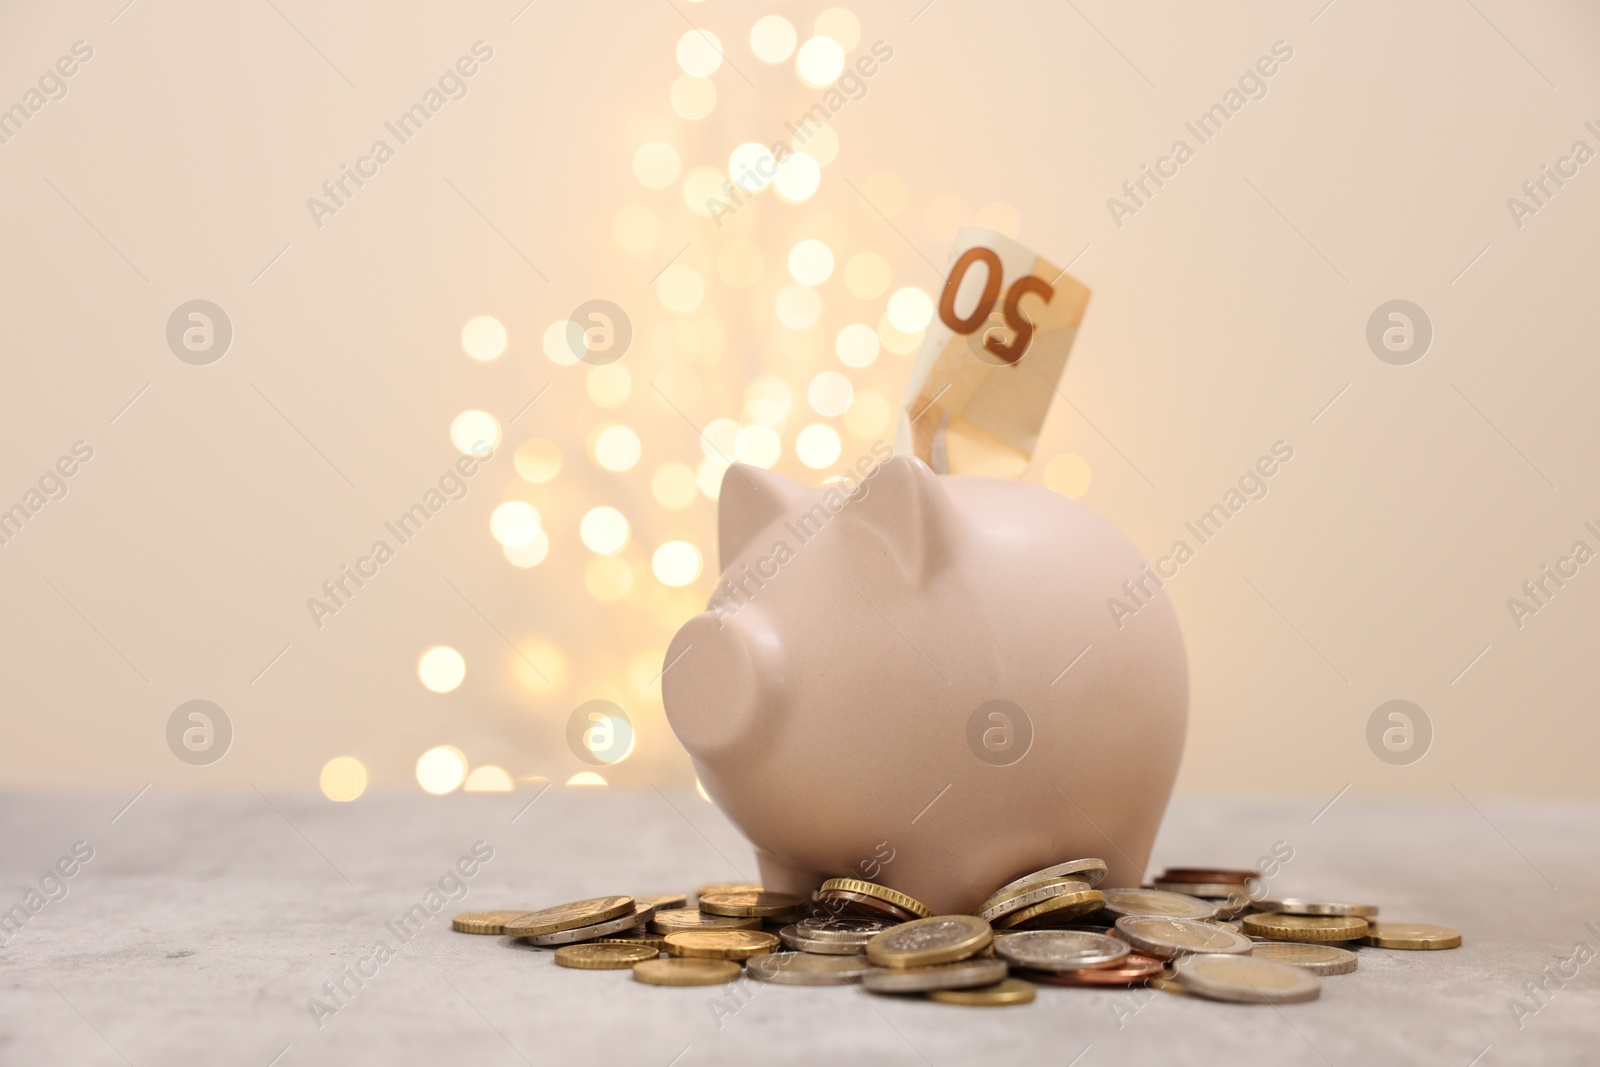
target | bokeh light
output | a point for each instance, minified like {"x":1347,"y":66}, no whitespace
{"x":840,"y":24}
{"x":897,"y":341}
{"x":608,"y":579}
{"x":488,"y":779}
{"x":475,"y":432}
{"x":700,"y":187}
{"x":586,"y":778}
{"x":441,"y":668}
{"x":885,"y":192}
{"x":830,"y":393}
{"x":699,"y":53}
{"x":343,"y":779}
{"x":604,"y":531}
{"x":680,"y":288}
{"x":514,"y":523}
{"x":537,"y":461}
{"x":871,"y":416}
{"x":819,"y":62}
{"x":693,"y":98}
{"x":798,"y":306}
{"x":539,"y":666}
{"x":818,"y":446}
{"x":767,"y":400}
{"x":530,"y":554}
{"x":557,"y":343}
{"x":1068,"y":474}
{"x":799,"y":176}
{"x":773,"y":38}
{"x":999,"y":216}
{"x":759,"y":445}
{"x":752,"y":166}
{"x":616,"y":448}
{"x":708,"y":476}
{"x":636,"y":229}
{"x":857,"y":345}
{"x":676,"y":563}
{"x":810,"y":262}
{"x":866,"y":275}
{"x":656,"y":164}
{"x":483,"y":337}
{"x":673,"y":485}
{"x":821,"y":144}
{"x":910,"y":310}
{"x":720,"y":439}
{"x":441,"y":770}
{"x":608,"y":385}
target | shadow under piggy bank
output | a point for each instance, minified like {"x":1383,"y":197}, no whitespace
{"x":917,"y":680}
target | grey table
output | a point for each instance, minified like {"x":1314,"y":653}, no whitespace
{"x":204,"y":924}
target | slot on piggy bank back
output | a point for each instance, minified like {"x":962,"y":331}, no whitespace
{"x":914,"y":679}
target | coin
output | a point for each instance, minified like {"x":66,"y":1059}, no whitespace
{"x":1210,"y":890}
{"x":962,"y":975}
{"x":925,"y":942}
{"x":1412,"y":936}
{"x":1246,"y":979}
{"x":485,"y":922}
{"x":879,"y":892}
{"x":1026,"y":897}
{"x":569,"y":916}
{"x":860,"y":903}
{"x":664,"y":900}
{"x":675,"y":919}
{"x":720,"y":944}
{"x":607,"y":956}
{"x":641,"y":914}
{"x":747,"y":902}
{"x":726,"y":887}
{"x":1157,"y":935}
{"x":1060,"y":950}
{"x":795,"y":939}
{"x":680,"y":972}
{"x":798,"y":968}
{"x":1318,"y":959}
{"x":1007,"y":991}
{"x":637,"y":936}
{"x":1090,"y":870}
{"x":1134,"y":970}
{"x":1281,"y":927}
{"x":1120,"y":902}
{"x":844,"y":929}
{"x":1229,"y":875}
{"x":1167,"y":985}
{"x":1301,"y":906}
{"x":1056,"y":911}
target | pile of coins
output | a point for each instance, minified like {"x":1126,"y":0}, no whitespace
{"x":1193,"y":931}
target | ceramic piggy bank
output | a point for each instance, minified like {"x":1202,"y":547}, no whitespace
{"x":915,"y":679}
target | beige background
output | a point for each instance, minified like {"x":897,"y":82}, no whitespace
{"x":1226,"y":315}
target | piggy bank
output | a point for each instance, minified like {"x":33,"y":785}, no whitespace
{"x":934,"y":682}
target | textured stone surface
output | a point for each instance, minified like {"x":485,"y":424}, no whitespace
{"x":204,"y":923}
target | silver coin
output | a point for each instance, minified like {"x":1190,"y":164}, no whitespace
{"x":1031,"y":897}
{"x":1318,"y":959}
{"x":798,"y":968}
{"x":1205,"y":890}
{"x":1090,"y":870}
{"x":796,"y":940}
{"x":1246,"y":979}
{"x":1157,"y":935}
{"x":1121,"y":902}
{"x":1302,"y":906}
{"x":963,"y":975}
{"x":845,"y":928}
{"x":1059,"y":950}
{"x":641,"y":915}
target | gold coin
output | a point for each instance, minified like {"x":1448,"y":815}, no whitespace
{"x":569,"y":916}
{"x":664,"y":900}
{"x":746,"y":902}
{"x":880,"y":892}
{"x":930,"y":941}
{"x":1166,"y":985}
{"x":998,"y":905}
{"x":720,"y":944}
{"x":603,"y":956}
{"x":673,"y":920}
{"x":1054,"y":911}
{"x":485,"y":922}
{"x":682,"y":972}
{"x":1411,"y":936}
{"x":1305,"y":927}
{"x":1010,"y":991}
{"x":726,"y":887}
{"x":1089,"y":870}
{"x":637,"y":936}
{"x":1318,"y":959}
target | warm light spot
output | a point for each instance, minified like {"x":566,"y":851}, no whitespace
{"x":708,"y":476}
{"x":830,"y":393}
{"x":636,"y":229}
{"x":810,"y":262}
{"x":821,"y":144}
{"x":693,"y":98}
{"x":720,"y":440}
{"x":819,"y":62}
{"x":483,"y":337}
{"x":798,"y":306}
{"x":885,"y":192}
{"x":999,"y":216}
{"x":699,"y":53}
{"x":441,"y":668}
{"x":841,"y":25}
{"x":514,"y":523}
{"x":656,"y":164}
{"x":870,"y":415}
{"x":773,"y":38}
{"x":343,"y":779}
{"x":643,"y":674}
{"x":759,"y":446}
{"x":616,"y":448}
{"x":701,"y":186}
{"x":818,"y":445}
{"x":604,"y":530}
{"x":767,"y":400}
{"x":558,"y":343}
{"x":673,"y":485}
{"x":799,"y":175}
{"x":739,"y":263}
{"x":528,"y":555}
{"x":680,"y":288}
{"x":866,"y":275}
{"x":701,"y":789}
{"x":608,"y":579}
{"x":896,"y":341}
{"x":586,"y":778}
{"x":857,"y":345}
{"x":475,"y":432}
{"x":910,"y":310}
{"x":608,"y":385}
{"x":752,"y":167}
{"x":537,"y":461}
{"x":944,"y":215}
{"x":676,"y":563}
{"x":539,"y":666}
{"x":488,"y":779}
{"x":1068,"y":474}
{"x":441,"y":770}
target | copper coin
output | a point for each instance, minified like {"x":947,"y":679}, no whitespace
{"x":861,"y":904}
{"x":1133,"y":970}
{"x":1225,"y":875}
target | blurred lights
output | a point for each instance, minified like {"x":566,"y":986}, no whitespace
{"x":693,"y":98}
{"x":636,"y":229}
{"x":489,"y":779}
{"x":680,"y":288}
{"x":885,"y":192}
{"x":870,"y":416}
{"x":1068,"y":474}
{"x":799,"y":175}
{"x":676,"y":563}
{"x":798,"y":306}
{"x":656,"y":164}
{"x":910,"y":310}
{"x":528,"y":555}
{"x":821,"y":144}
{"x":609,"y":385}
{"x":759,"y":446}
{"x":819,"y":62}
{"x":699,"y":53}
{"x":537,"y":461}
{"x":841,"y":25}
{"x":608,"y":579}
{"x":700,"y":187}
{"x":818,"y":445}
{"x":514,"y":523}
{"x":556,"y":344}
{"x":752,"y":166}
{"x":857,"y":345}
{"x":441,"y":770}
{"x":441,"y":668}
{"x":586,"y":778}
{"x":475,"y":432}
{"x":866,"y":275}
{"x":483,"y":337}
{"x":343,"y":779}
{"x":720,"y":440}
{"x":810,"y":262}
{"x":604,"y":531}
{"x":830,"y":393}
{"x":767,"y":400}
{"x":539,"y":666}
{"x":896,"y":341}
{"x":616,"y":448}
{"x":773,"y":38}
{"x":673,"y":485}
{"x":708,"y":476}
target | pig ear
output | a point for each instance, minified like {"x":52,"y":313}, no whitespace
{"x":751,"y":499}
{"x":903,"y":512}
